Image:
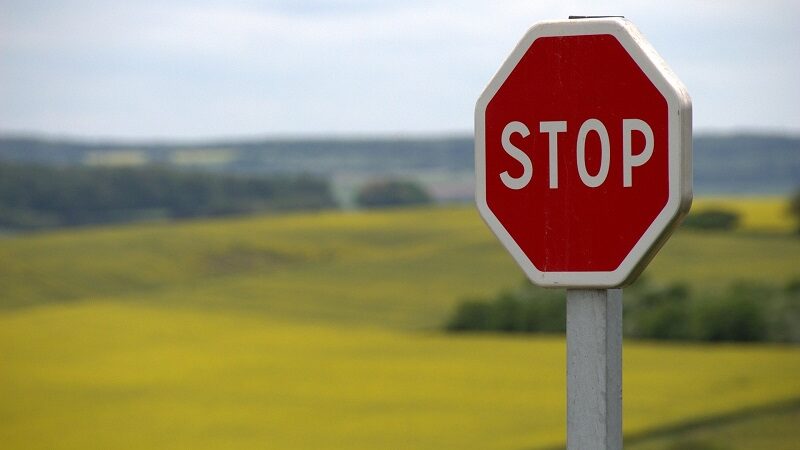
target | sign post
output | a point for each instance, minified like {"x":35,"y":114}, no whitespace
{"x":583,"y":170}
{"x":594,"y":369}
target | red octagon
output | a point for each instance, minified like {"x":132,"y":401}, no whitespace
{"x":583,"y":153}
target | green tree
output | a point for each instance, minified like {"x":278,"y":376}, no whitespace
{"x":739,"y":315}
{"x":653,"y":312}
{"x":712,"y":219}
{"x":794,"y":208}
{"x":34,"y":197}
{"x":389,"y":193}
{"x":470,"y":315}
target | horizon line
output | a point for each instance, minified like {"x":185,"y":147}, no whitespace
{"x":323,"y":136}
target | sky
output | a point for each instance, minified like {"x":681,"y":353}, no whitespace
{"x":182,"y":69}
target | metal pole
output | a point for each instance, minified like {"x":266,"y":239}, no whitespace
{"x":594,"y":369}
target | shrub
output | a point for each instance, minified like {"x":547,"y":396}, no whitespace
{"x":745,"y":312}
{"x":507,"y":314}
{"x":794,"y":208}
{"x":388,"y":193}
{"x":793,"y":287}
{"x":737,"y":315}
{"x":658,"y":312}
{"x":545,"y":311}
{"x":783,"y":322}
{"x":528,"y":309}
{"x":712,"y":219}
{"x":470,"y":315}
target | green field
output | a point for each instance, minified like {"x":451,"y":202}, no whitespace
{"x":773,"y":427}
{"x":320,"y":331}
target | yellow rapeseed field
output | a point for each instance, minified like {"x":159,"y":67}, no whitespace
{"x":756,"y":213}
{"x":321,"y":331}
{"x":113,"y":375}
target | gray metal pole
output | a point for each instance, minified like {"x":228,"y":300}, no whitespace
{"x":594,"y":369}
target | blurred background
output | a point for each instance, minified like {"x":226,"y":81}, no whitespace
{"x":249,"y":224}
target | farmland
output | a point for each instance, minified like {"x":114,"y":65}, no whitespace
{"x":321,"y":331}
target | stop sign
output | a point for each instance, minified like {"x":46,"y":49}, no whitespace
{"x":583,"y":153}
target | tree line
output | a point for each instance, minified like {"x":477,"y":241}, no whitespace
{"x":744,"y":312}
{"x":39,"y":197}
{"x":794,"y":208}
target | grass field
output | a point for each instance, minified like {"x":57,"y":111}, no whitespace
{"x":320,"y":331}
{"x":773,"y":428}
{"x":400,"y":269}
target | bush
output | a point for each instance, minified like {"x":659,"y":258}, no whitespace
{"x":544,"y":310}
{"x":388,"y":193}
{"x":783,"y":318}
{"x":744,"y":312}
{"x":470,"y":315}
{"x":793,"y":287}
{"x":657,"y":312}
{"x":794,"y":208}
{"x":712,"y":219}
{"x":739,"y":315}
{"x":529,"y":309}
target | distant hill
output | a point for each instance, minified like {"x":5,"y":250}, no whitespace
{"x":746,"y":163}
{"x":324,"y":156}
{"x":723,"y":164}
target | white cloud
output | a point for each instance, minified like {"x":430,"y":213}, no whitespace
{"x":183,"y":68}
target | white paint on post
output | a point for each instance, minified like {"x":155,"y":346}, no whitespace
{"x":594,"y":369}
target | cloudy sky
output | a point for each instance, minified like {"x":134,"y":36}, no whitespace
{"x":198,"y":68}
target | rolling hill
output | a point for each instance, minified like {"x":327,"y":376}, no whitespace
{"x":319,"y":331}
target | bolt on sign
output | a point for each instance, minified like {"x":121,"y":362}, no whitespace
{"x":583,"y":153}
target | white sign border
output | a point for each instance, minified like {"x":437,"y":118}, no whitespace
{"x":679,"y":152}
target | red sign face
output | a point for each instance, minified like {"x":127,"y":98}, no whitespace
{"x":582,"y":151}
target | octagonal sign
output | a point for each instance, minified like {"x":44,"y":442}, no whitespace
{"x":583,"y":153}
